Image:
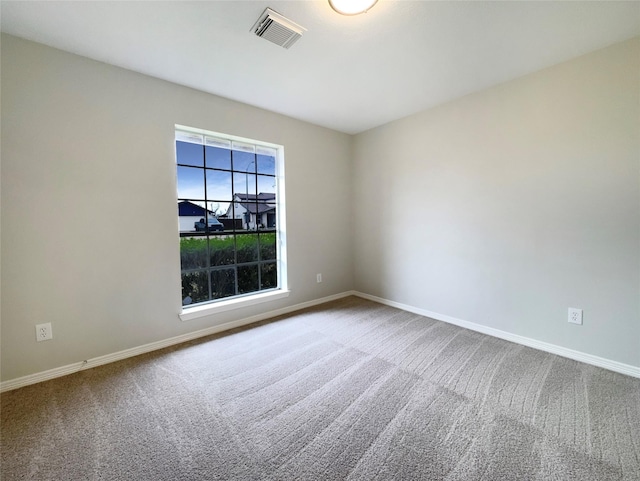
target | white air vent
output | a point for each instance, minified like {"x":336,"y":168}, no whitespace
{"x":277,"y":29}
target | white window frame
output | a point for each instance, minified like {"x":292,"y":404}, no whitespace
{"x":236,"y":302}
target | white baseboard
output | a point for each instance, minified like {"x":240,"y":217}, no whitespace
{"x":154,"y":346}
{"x":615,"y":366}
{"x":117,"y":356}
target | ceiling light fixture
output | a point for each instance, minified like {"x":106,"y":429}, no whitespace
{"x":351,"y":7}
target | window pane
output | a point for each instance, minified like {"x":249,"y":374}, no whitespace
{"x":195,"y":287}
{"x":218,"y":185}
{"x":244,"y":161}
{"x":247,"y":248}
{"x":243,"y":184}
{"x":266,"y":162}
{"x":268,"y":246}
{"x":251,"y":217}
{"x":269,"y":275}
{"x":232,"y":218}
{"x":190,"y":183}
{"x":247,"y":279}
{"x":225,"y":214}
{"x":218,"y":158}
{"x":222,"y":250}
{"x":223,"y":283}
{"x":267,"y":185}
{"x":239,"y":214}
{"x":271,"y":221}
{"x":189,"y":154}
{"x":266,"y":218}
{"x":193,"y":253}
{"x":188,"y":214}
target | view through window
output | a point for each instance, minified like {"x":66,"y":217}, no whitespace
{"x":228,"y":216}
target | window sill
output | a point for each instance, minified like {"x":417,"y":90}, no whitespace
{"x":196,"y":312}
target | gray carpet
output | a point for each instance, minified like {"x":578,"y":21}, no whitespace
{"x":349,"y":390}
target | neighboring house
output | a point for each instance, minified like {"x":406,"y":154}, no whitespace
{"x":190,"y":213}
{"x":254,"y":210}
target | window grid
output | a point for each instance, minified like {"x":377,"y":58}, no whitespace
{"x":260,"y":263}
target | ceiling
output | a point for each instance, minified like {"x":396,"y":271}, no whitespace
{"x":346,"y":73}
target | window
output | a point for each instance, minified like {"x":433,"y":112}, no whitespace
{"x":230,"y":216}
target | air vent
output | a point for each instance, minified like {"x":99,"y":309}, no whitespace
{"x":277,"y":29}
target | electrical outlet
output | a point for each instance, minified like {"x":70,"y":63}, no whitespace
{"x":575,"y":316}
{"x":44,"y":332}
{"x":319,"y":278}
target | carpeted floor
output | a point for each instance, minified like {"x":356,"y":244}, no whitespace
{"x":348,"y":390}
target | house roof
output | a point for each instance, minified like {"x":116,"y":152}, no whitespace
{"x":258,"y":208}
{"x":262,"y":196}
{"x":189,"y":209}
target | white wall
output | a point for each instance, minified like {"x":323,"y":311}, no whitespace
{"x":503,"y":208}
{"x":185,"y":223}
{"x":88,"y":144}
{"x":508,"y":206}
